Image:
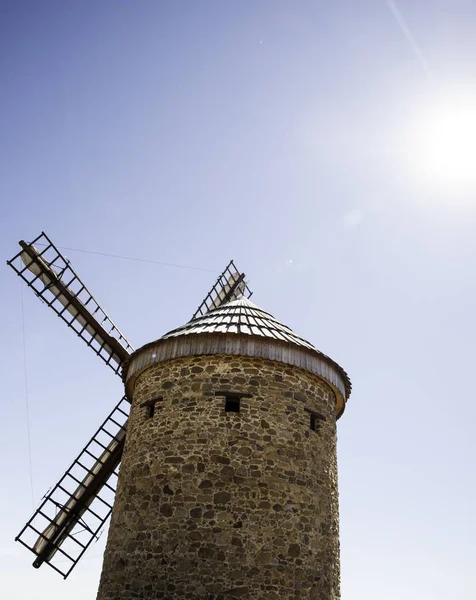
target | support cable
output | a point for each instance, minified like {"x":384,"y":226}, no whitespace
{"x":27,"y":407}
{"x":144,"y":260}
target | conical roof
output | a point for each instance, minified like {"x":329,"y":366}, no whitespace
{"x":240,"y":327}
{"x":240,"y":316}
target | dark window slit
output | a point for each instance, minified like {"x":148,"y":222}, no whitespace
{"x":150,"y":406}
{"x":315,"y":419}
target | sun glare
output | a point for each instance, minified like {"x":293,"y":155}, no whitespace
{"x":445,"y":148}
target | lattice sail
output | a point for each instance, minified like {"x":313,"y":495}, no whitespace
{"x":49,"y":274}
{"x":72,"y":514}
{"x":230,"y":285}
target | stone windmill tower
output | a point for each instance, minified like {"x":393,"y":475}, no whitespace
{"x":228,"y":480}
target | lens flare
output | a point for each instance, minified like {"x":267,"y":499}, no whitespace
{"x":444,"y":152}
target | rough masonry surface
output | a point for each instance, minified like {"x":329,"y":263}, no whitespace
{"x":216,"y":505}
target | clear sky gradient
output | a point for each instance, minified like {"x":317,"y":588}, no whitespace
{"x":322,"y":145}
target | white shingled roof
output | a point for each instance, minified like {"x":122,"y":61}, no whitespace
{"x":240,"y":316}
{"x":243,"y":317}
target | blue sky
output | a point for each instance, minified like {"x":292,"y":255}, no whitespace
{"x":323,"y":146}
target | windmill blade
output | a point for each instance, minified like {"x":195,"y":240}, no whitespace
{"x":230,"y":285}
{"x":51,"y":277}
{"x":72,"y":514}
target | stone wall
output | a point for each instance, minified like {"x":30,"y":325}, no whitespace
{"x":215,"y":505}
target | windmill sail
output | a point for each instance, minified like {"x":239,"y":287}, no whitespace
{"x":72,"y":514}
{"x":51,"y":277}
{"x":230,"y":285}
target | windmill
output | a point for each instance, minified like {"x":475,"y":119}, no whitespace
{"x":72,"y":514}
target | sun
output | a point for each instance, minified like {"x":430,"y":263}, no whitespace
{"x":444,"y":152}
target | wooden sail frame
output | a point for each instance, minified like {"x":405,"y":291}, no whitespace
{"x":50,"y":275}
{"x":71,"y":515}
{"x":73,"y":512}
{"x":230,"y":285}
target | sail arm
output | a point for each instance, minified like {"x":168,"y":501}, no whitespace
{"x":53,"y":280}
{"x":72,"y":514}
{"x":230,"y":285}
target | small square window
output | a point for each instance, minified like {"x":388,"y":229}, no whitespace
{"x":232,"y":399}
{"x":232,"y":404}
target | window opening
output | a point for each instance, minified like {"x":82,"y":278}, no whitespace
{"x":150,"y":407}
{"x":315,"y":419}
{"x":313,"y":422}
{"x":232,"y":400}
{"x":232,"y":404}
